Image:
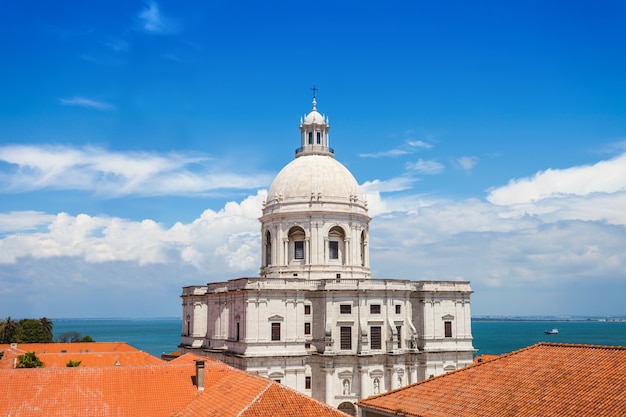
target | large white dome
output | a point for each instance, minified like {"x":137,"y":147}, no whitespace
{"x":314,"y":176}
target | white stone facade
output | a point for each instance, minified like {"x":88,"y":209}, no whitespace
{"x":315,"y":320}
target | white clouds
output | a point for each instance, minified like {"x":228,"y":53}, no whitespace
{"x":602,"y":177}
{"x":86,"y":102}
{"x":556,"y":246}
{"x":425,"y":167}
{"x":153,"y":21}
{"x":227,"y":240}
{"x":115,"y":174}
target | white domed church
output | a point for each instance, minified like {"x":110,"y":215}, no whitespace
{"x":314,"y":319}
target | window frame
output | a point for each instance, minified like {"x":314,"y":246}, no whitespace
{"x":307,"y":328}
{"x":375,"y":309}
{"x":298,"y":250}
{"x":447,"y":328}
{"x":307,"y":309}
{"x":345,"y":308}
{"x":275,"y":332}
{"x":345,"y":337}
{"x":333,"y":250}
{"x":398,"y":308}
{"x":376,"y":337}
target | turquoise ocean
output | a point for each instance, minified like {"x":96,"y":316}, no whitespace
{"x":493,"y":336}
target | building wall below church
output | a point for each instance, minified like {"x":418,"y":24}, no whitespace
{"x":337,"y":340}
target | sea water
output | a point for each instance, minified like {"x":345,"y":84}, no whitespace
{"x":162,"y":335}
{"x":502,"y":336}
{"x":155,"y":336}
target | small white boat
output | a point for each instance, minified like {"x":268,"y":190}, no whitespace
{"x":553,"y":331}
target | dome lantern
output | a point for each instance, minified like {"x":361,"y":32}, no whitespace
{"x":314,"y":129}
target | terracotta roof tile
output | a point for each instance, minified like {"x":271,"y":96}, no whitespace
{"x":57,"y":355}
{"x":163,"y":389}
{"x":541,"y":380}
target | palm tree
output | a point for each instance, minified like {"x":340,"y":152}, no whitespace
{"x":46,"y":326}
{"x":29,"y":360}
{"x":8,"y":329}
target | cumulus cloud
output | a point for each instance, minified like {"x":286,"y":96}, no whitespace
{"x":115,"y":174}
{"x":607,"y":176}
{"x":86,"y":102}
{"x":422,"y":166}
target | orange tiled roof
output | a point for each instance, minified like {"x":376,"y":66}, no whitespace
{"x":71,"y":347}
{"x":164,"y":389}
{"x":57,"y":355}
{"x":541,"y":380}
{"x":228,"y":394}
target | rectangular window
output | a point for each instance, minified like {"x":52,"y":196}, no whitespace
{"x":346,"y":338}
{"x":345,"y":309}
{"x":238,"y":327}
{"x":376,"y":342}
{"x":448,"y":328}
{"x":298,"y":249}
{"x":310,"y":138}
{"x":307,"y":382}
{"x":398,"y":308}
{"x":399,"y":330}
{"x":275,"y":331}
{"x":375,"y":309}
{"x":319,"y":136}
{"x":307,"y":309}
{"x":307,"y":328}
{"x":333,"y":249}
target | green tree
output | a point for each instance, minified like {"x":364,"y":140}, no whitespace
{"x":87,"y":339}
{"x":73,"y":364}
{"x":32,"y":331}
{"x":29,"y":360}
{"x":46,"y":327}
{"x":8,"y":330}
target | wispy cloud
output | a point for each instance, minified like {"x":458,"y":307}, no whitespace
{"x":115,"y":174}
{"x":153,"y":21}
{"x":467,"y":163}
{"x":409,"y":147}
{"x":86,"y":102}
{"x":426,"y":167}
{"x":419,"y":144}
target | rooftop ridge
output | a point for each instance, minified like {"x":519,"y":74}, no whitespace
{"x":259,"y":395}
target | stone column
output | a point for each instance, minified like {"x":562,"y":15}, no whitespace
{"x":329,"y":397}
{"x":364,"y":392}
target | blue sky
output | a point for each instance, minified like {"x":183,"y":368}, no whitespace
{"x":138,"y":139}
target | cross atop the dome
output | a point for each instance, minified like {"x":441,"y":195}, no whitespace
{"x":314,"y":91}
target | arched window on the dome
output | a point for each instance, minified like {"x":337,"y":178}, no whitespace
{"x":296,"y":244}
{"x":268,"y":248}
{"x":336,"y":237}
{"x":310,"y":138}
{"x":319,"y":137}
